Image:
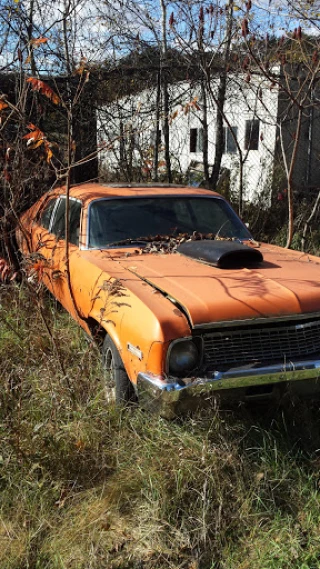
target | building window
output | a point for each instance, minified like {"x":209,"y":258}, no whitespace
{"x":252,"y":135}
{"x":196,"y":139}
{"x":230,"y":135}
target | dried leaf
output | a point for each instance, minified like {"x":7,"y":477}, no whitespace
{"x":244,"y":27}
{"x":173,"y":116}
{"x":37,"y":144}
{"x":44,"y":89}
{"x":82,"y":66}
{"x":38,"y":41}
{"x":49,"y":154}
{"x":36,"y":138}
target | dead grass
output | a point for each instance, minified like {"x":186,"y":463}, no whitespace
{"x":83,"y":485}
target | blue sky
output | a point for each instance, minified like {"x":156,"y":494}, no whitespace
{"x":98,"y":29}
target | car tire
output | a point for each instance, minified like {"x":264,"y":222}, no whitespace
{"x":118,"y":387}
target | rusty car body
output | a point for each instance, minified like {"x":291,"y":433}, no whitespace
{"x":186,"y":302}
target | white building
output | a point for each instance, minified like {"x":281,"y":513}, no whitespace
{"x":127,"y":128}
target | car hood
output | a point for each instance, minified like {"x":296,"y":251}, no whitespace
{"x":285,"y":282}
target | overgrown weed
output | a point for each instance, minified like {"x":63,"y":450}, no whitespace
{"x":84,"y":485}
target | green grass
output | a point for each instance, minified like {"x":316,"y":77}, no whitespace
{"x":84,"y":485}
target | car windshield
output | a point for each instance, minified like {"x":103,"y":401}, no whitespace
{"x":112,"y":221}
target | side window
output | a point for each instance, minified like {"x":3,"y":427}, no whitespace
{"x":74,"y":226}
{"x":58,"y":225}
{"x":46,"y":214}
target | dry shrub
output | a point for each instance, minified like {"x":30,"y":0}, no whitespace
{"x":84,"y":485}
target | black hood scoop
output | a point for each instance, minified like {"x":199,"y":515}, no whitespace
{"x":222,"y":254}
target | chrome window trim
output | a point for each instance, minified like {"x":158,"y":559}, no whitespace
{"x":53,"y":214}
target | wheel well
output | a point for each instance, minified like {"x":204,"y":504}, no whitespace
{"x":97,"y":332}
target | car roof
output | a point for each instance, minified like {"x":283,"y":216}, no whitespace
{"x":91,"y":191}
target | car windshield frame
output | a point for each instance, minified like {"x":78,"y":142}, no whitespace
{"x":133,"y":240}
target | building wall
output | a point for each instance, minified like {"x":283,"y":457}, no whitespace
{"x":306,"y":169}
{"x":127,"y":128}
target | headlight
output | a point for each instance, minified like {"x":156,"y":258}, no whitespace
{"x":184,"y":357}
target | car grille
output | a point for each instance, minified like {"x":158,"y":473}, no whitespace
{"x":254,"y":344}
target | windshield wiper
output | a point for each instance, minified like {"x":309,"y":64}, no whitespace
{"x":129,"y":241}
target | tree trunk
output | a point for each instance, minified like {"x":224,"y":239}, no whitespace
{"x":157,"y":139}
{"x":290,"y":179}
{"x":165,"y":93}
{"x":205,"y":156}
{"x":220,"y":100}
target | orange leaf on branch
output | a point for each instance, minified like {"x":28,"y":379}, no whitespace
{"x":49,"y":153}
{"x":37,"y":143}
{"x":36,"y":138}
{"x":44,"y":89}
{"x":192,"y":104}
{"x":173,"y":116}
{"x":38,"y":41}
{"x":82,"y":67}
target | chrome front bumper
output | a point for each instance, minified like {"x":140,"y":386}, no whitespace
{"x":168,"y":395}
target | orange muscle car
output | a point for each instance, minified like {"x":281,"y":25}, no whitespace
{"x":185,"y":302}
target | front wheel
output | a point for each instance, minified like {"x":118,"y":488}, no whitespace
{"x":118,"y":386}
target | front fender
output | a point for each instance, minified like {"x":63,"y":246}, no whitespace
{"x":141,"y":329}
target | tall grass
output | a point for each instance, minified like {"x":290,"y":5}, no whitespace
{"x":84,"y":485}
